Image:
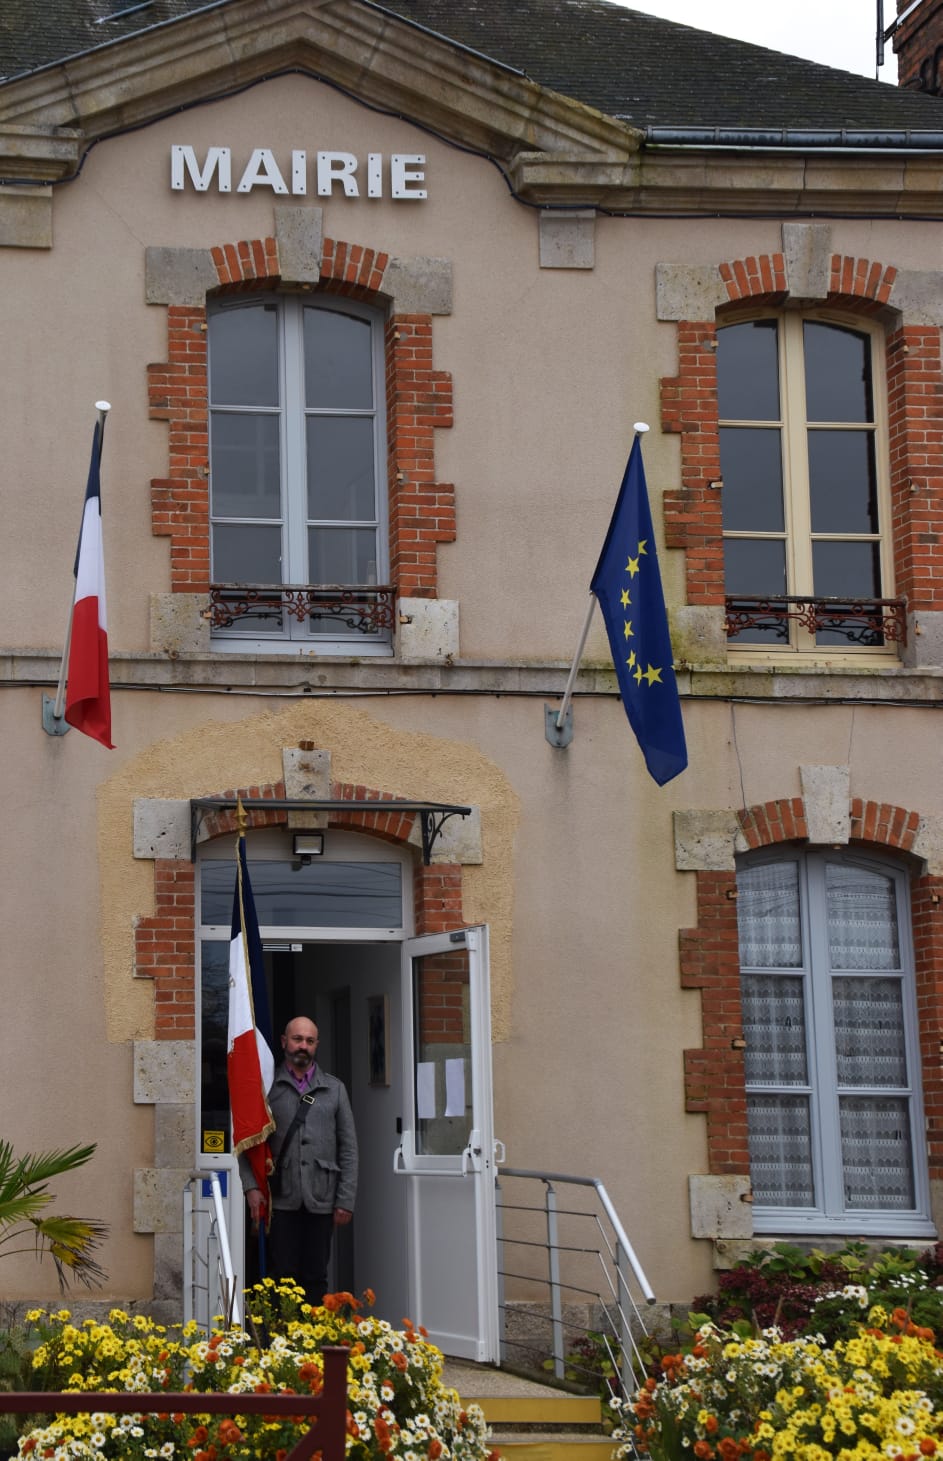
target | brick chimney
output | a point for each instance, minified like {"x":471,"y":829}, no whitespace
{"x":918,"y":41}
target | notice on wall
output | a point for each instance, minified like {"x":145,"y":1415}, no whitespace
{"x":425,"y":1090}
{"x":455,"y":1087}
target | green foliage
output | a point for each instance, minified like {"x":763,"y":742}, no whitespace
{"x":802,"y":1292}
{"x":25,"y":1222}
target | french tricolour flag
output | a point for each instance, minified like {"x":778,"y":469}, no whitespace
{"x":250,"y":1063}
{"x":88,"y":695}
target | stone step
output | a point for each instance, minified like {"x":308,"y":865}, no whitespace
{"x":530,"y":1421}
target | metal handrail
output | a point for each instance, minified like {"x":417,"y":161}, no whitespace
{"x":219,"y":1230}
{"x":610,"y":1212}
{"x":616,"y":1258}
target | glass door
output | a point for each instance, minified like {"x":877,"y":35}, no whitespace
{"x":447,"y":1151}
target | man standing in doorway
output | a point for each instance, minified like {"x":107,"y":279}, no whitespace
{"x":314,"y":1149}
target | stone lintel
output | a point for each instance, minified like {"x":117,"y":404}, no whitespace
{"x":427,"y":631}
{"x":916,"y":294}
{"x":157,"y":1199}
{"x":567,"y":240}
{"x":924,"y":647}
{"x":178,"y":624}
{"x":807,"y":250}
{"x":699,"y":635}
{"x":419,"y":286}
{"x":162,"y":829}
{"x":25,"y":217}
{"x":458,"y":842}
{"x":705,"y":841}
{"x":307,"y":774}
{"x":173,"y":1134}
{"x":688,"y":291}
{"x":178,"y":276}
{"x":826,"y":793}
{"x":928,"y":844}
{"x":720,"y":1207}
{"x":164,"y":1072}
{"x":299,"y":234}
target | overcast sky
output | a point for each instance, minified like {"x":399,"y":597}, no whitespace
{"x":837,"y":32}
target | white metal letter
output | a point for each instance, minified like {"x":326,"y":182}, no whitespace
{"x":402,"y":173}
{"x":337,"y":167}
{"x":374,"y":174}
{"x":299,"y":172}
{"x":183,"y":159}
{"x":262,"y":169}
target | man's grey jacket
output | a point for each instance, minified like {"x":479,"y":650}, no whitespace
{"x":319,"y":1167}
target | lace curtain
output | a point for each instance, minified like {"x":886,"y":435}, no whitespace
{"x":859,"y":1066}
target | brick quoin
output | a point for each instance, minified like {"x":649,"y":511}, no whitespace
{"x":709,"y":961}
{"x":164,"y":941}
{"x":689,"y":408}
{"x":418,"y":403}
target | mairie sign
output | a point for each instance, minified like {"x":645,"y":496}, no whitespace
{"x":398,"y":176}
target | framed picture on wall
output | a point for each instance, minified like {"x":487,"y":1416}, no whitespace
{"x":378,"y":1039}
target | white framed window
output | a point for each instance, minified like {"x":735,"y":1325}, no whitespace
{"x":298,"y":502}
{"x":803,"y":450}
{"x":832,"y":1063}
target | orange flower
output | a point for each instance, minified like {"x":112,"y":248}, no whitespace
{"x":370,"y":1296}
{"x":928,"y":1446}
{"x":400,"y":1360}
{"x":729,"y":1449}
{"x":229,"y":1432}
{"x":703,"y":1450}
{"x":710,"y":1425}
{"x":435,"y":1450}
{"x":199,"y":1436}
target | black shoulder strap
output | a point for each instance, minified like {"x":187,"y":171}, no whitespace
{"x":308,"y":1099}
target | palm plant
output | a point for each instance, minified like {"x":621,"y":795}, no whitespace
{"x":24,"y":1198}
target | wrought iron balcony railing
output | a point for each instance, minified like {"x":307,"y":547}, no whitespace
{"x":369,"y":608}
{"x":872,"y":623}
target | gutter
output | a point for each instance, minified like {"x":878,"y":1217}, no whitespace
{"x":795,"y":139}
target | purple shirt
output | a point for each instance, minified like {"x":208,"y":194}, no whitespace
{"x":304,"y":1081}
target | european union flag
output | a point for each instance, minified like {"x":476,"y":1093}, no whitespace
{"x":627,"y":586}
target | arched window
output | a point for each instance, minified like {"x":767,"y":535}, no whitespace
{"x":298,"y":505}
{"x":832,"y":1065}
{"x":803,"y":449}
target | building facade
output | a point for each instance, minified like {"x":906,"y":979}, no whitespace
{"x":376,"y":294}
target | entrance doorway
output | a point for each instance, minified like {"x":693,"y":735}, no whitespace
{"x":404,"y":1023}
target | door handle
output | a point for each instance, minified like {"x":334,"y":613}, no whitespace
{"x":399,"y":1161}
{"x":471,"y":1156}
{"x":500,"y":1153}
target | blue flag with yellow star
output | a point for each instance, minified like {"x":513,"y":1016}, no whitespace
{"x":627,"y":586}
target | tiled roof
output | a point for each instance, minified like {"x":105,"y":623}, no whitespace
{"x":648,"y":71}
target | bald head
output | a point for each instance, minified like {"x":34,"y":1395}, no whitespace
{"x":300,"y":1043}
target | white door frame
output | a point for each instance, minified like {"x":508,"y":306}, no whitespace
{"x":453,"y":1196}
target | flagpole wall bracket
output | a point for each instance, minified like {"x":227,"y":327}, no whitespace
{"x":53,"y":725}
{"x":559,"y":736}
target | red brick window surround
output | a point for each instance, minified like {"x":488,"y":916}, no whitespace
{"x":164,"y":940}
{"x":714,"y":1081}
{"x":914,"y":378}
{"x":418,"y":403}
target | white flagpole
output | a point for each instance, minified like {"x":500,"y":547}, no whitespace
{"x":575,"y":666}
{"x":102,"y":407}
{"x":640,"y":428}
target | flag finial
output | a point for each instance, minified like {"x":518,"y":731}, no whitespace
{"x":242,"y":817}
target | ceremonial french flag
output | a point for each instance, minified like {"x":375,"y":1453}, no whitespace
{"x":88,"y":694}
{"x":250,"y":1064}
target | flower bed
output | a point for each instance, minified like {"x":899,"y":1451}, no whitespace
{"x":398,"y":1406}
{"x":876,"y":1394}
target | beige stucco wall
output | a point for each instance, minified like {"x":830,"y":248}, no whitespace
{"x":550,"y":369}
{"x":578,"y":883}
